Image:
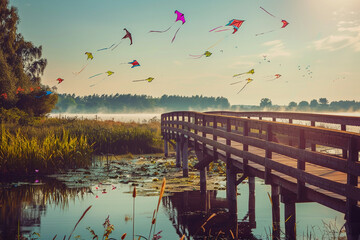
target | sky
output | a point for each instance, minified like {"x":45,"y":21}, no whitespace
{"x":317,"y":54}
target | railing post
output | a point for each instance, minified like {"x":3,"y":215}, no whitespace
{"x":301,"y":165}
{"x":268,"y":154}
{"x":215,"y":139}
{"x":195,"y":131}
{"x":203,"y":134}
{"x":313,"y":146}
{"x":231,"y":187}
{"x":290,"y":140}
{"x":344,"y":151}
{"x":352,"y":214}
{"x":245,"y":146}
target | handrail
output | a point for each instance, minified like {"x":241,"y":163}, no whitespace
{"x":290,"y":116}
{"x":291,"y":140}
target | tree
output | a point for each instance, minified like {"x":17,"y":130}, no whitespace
{"x":303,"y":105}
{"x":21,"y":67}
{"x":314,"y":103}
{"x":292,"y":105}
{"x":265,"y":103}
{"x":323,"y":101}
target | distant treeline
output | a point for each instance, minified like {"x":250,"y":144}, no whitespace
{"x":136,"y":103}
{"x":143,"y":103}
{"x":320,"y":105}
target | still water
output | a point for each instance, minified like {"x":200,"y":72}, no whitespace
{"x":49,"y":207}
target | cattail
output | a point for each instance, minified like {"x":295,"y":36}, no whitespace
{"x":123,"y":236}
{"x":134,"y":196}
{"x":134,"y":192}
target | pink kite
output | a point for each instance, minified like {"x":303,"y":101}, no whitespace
{"x":284,"y":22}
{"x":179,"y":17}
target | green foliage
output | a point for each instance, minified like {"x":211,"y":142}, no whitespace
{"x":21,"y":67}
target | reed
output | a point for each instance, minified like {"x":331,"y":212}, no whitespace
{"x":24,"y":155}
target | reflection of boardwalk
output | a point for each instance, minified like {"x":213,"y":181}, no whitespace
{"x":288,"y":156}
{"x":189,"y":210}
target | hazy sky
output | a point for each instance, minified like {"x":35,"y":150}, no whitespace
{"x":322,"y":35}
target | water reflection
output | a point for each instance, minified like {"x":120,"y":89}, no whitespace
{"x":188,"y":211}
{"x":22,"y":204}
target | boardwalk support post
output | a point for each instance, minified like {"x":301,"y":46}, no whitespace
{"x":289,"y":200}
{"x":252,"y":202}
{"x":275,"y":204}
{"x":166,"y":148}
{"x":203,"y":180}
{"x":178,"y":151}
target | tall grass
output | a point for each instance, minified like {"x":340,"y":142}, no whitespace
{"x":24,"y":155}
{"x":106,"y":136}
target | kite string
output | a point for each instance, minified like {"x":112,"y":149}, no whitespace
{"x":77,"y":73}
{"x":268,"y":12}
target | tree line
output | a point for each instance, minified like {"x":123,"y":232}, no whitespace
{"x":136,"y":103}
{"x":315,"y":105}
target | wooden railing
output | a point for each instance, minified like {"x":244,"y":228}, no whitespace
{"x":228,"y":136}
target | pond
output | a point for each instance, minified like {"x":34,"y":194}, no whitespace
{"x":51,"y":206}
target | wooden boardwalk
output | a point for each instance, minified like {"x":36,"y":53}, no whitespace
{"x":286,"y":155}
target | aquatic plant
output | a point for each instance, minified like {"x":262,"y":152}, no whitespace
{"x":24,"y":155}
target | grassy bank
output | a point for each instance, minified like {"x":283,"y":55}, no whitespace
{"x":52,"y":144}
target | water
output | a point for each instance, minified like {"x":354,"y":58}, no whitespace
{"x":52,"y":208}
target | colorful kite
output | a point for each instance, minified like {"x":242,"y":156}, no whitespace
{"x":252,"y":71}
{"x":249,"y":80}
{"x":89,"y":56}
{"x":284,"y":23}
{"x":60,"y":80}
{"x":206,"y":54}
{"x":276,"y":76}
{"x":179,"y":17}
{"x":235,"y":23}
{"x":4,"y":95}
{"x":149,"y":79}
{"x":134,"y":64}
{"x":127,"y":35}
{"x":45,"y":94}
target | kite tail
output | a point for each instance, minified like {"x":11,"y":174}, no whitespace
{"x":95,"y":75}
{"x":77,"y":73}
{"x":236,"y":82}
{"x":264,"y":32}
{"x":106,"y":48}
{"x":267,"y":12}
{"x":175,"y":34}
{"x":139,"y":80}
{"x":222,"y":30}
{"x":196,"y":56}
{"x":161,"y":31}
{"x":215,"y":28}
{"x":238,"y":74}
